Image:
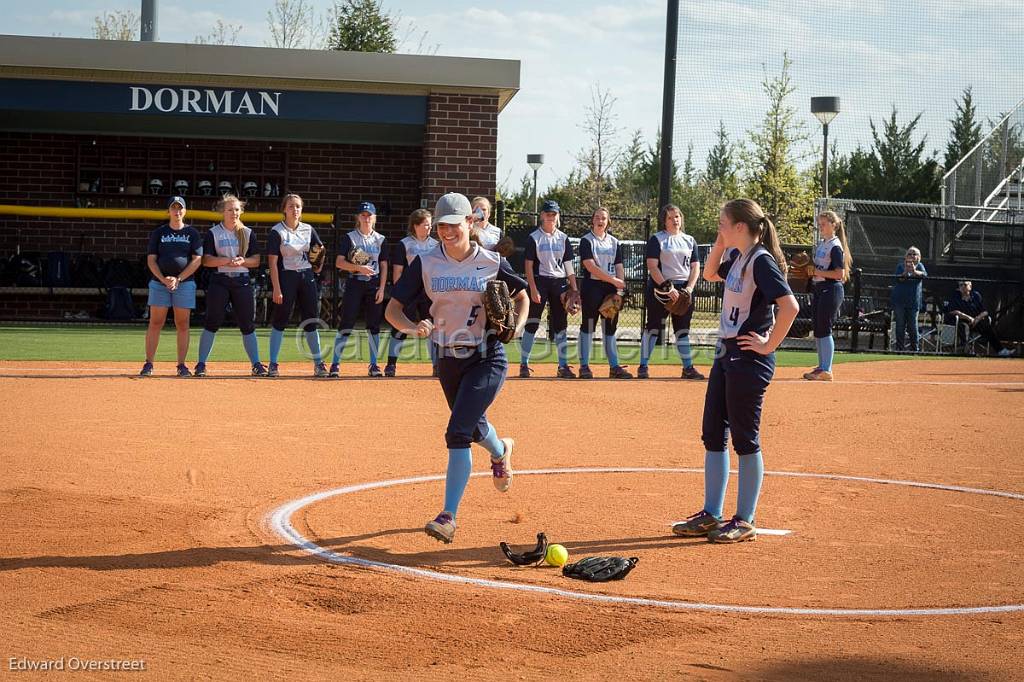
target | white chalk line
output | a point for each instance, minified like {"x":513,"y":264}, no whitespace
{"x":120,"y":372}
{"x":280,"y":522}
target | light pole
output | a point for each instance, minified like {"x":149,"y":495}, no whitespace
{"x":535,"y":161}
{"x":825,"y":109}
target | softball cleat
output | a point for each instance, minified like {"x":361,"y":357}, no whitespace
{"x":258,"y":370}
{"x":183,"y":371}
{"x":565,"y":372}
{"x":441,"y":528}
{"x":586,"y":372}
{"x":320,"y":371}
{"x":642,"y":372}
{"x":501,"y":469}
{"x":619,"y":373}
{"x":147,"y":370}
{"x":698,"y":525}
{"x":737,"y":530}
{"x":819,"y":375}
{"x":200,"y":370}
{"x":374,"y":371}
{"x":273,"y":371}
{"x":333,"y":372}
{"x":692,"y":374}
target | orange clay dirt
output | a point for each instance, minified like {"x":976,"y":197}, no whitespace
{"x":135,"y":523}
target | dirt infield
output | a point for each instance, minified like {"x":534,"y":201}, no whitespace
{"x":136,"y":524}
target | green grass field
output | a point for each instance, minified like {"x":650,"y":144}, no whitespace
{"x":126,"y":343}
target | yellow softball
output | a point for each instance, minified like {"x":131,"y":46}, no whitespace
{"x":556,"y":555}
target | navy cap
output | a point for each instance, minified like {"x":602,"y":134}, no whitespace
{"x":368,"y":207}
{"x":550,"y":205}
{"x":176,"y":200}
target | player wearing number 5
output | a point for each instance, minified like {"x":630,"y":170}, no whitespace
{"x":364,"y":289}
{"x":747,"y":257}
{"x":549,"y":274}
{"x":603,"y":275}
{"x":470,"y":361}
{"x":672,"y":263}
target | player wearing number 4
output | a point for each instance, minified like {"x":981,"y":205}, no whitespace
{"x":471,"y":362}
{"x":831,"y":267}
{"x":548,"y":249}
{"x":603,"y":275}
{"x":747,"y":257}
{"x":671,"y":258}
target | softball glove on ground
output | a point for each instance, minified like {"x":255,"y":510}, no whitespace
{"x":501,"y":312}
{"x":599,"y":569}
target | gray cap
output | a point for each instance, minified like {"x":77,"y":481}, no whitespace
{"x":452,"y":208}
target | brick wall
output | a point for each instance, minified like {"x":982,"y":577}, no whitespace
{"x":460,"y":151}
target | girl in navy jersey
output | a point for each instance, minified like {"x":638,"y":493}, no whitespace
{"x":671,"y":258}
{"x":603,"y":274}
{"x":832,"y":263}
{"x":471,"y":361}
{"x":548,"y":273}
{"x":230,"y":281}
{"x":746,"y":256}
{"x":292,"y":278}
{"x":175,"y":253}
{"x":402,"y":254}
{"x":364,"y":290}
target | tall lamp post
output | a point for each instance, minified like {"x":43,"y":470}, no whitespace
{"x":535,"y":161}
{"x":825,"y":109}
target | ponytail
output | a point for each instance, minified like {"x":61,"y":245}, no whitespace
{"x":840,"y":230}
{"x":769,"y":239}
{"x":748,"y":212}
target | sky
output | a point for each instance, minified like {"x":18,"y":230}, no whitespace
{"x":915,"y":54}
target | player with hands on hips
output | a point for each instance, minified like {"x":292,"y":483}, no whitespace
{"x":417,"y":243}
{"x":748,"y":258}
{"x":603,"y":275}
{"x":672,"y":265}
{"x":174,"y":254}
{"x":230,"y":249}
{"x":364,"y":290}
{"x":291,"y":245}
{"x":549,"y":274}
{"x":471,"y":361}
{"x":830,"y":267}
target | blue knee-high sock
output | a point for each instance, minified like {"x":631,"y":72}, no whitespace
{"x":313,"y":341}
{"x":828,"y":351}
{"x":394,"y":348}
{"x":526,"y":347}
{"x":460,"y":464}
{"x":751,"y":474}
{"x":432,"y":352}
{"x":206,"y":344}
{"x":340,"y":339}
{"x":562,"y":348}
{"x":683,"y":348}
{"x":647,"y":346}
{"x":585,"y":344}
{"x":716,"y":480}
{"x":374,"y":347}
{"x":611,"y":350}
{"x":276,"y":339}
{"x":817,"y":349}
{"x":251,"y":346}
{"x":493,"y":444}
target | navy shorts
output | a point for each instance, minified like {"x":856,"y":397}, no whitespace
{"x":732,"y":404}
{"x":826,"y":297}
{"x":470,"y":379}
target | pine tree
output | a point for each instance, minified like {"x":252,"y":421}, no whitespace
{"x":720,"y":169}
{"x":966,"y":130}
{"x":361,"y":26}
{"x":901,"y":173}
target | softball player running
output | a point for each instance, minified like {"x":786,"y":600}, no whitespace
{"x":230,"y":261}
{"x":747,"y":257}
{"x":547,"y":251}
{"x":402,"y":254}
{"x":364,"y":289}
{"x":487,"y":234}
{"x":175,"y":253}
{"x":832,"y":263}
{"x":603,"y":274}
{"x":471,"y":363}
{"x":292,"y":278}
{"x":671,"y":257}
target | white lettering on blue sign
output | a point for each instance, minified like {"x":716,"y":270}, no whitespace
{"x":192,"y":101}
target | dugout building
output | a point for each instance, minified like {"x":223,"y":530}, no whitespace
{"x":89,"y":124}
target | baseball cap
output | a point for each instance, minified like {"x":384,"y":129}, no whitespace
{"x":452,"y":208}
{"x":176,"y":200}
{"x":550,"y":205}
{"x":367,"y":207}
